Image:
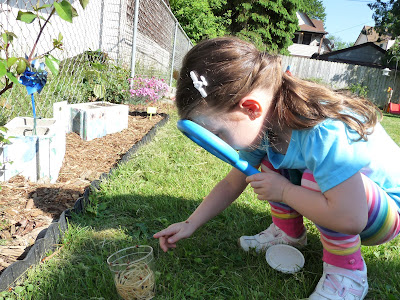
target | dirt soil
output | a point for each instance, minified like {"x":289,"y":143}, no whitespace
{"x":26,"y":208}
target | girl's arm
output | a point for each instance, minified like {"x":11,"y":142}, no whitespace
{"x":222,"y":195}
{"x":342,"y":208}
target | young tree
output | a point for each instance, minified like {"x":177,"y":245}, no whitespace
{"x":386,"y":16}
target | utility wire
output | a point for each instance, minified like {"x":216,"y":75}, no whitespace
{"x":351,"y":27}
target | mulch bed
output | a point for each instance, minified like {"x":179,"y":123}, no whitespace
{"x":26,"y":208}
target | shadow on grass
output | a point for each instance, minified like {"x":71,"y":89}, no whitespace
{"x":208,"y":265}
{"x":391,"y":115}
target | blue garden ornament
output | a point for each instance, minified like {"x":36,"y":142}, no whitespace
{"x":34,"y":78}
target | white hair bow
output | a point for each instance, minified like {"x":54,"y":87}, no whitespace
{"x":198,"y":84}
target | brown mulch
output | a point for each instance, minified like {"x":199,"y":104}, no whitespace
{"x":26,"y":208}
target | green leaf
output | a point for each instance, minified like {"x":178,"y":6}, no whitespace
{"x":25,"y":60}
{"x":21,"y":66}
{"x":12,"y":77}
{"x":5,"y":38}
{"x":4,"y":129}
{"x":74,"y":12}
{"x":3,"y":69}
{"x":99,"y":91}
{"x":64,"y":10}
{"x":60,"y":37}
{"x":27,"y":17}
{"x":53,"y":64}
{"x":11,"y":61}
{"x":8,"y":36}
{"x":84,"y":3}
{"x":18,"y":289}
{"x":43,"y":6}
{"x":98,"y":66}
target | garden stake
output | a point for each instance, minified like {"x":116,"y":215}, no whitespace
{"x":34,"y":114}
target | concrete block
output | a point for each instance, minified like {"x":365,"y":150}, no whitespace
{"x":36,"y":157}
{"x":97,"y":119}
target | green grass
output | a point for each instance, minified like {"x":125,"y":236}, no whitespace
{"x":391,"y":123}
{"x":162,"y":184}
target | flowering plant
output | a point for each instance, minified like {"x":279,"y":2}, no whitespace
{"x":147,"y":90}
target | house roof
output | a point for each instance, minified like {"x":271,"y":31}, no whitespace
{"x":368,"y":44}
{"x":373,"y":36}
{"x":318,"y":26}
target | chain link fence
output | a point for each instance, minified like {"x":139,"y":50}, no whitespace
{"x":102,"y":33}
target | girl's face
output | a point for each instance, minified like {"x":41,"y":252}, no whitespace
{"x":240,"y":129}
{"x":233,"y":128}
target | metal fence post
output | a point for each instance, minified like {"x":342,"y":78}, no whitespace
{"x":134,"y":37}
{"x":173,"y":53}
{"x":101,"y":26}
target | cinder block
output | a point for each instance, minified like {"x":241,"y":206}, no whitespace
{"x":97,"y":119}
{"x":36,"y":157}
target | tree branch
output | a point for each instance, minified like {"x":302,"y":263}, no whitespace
{"x":7,"y":87}
{"x":38,"y":37}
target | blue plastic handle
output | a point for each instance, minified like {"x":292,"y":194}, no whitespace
{"x":215,"y":146}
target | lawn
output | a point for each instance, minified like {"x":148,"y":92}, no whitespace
{"x":163,"y":183}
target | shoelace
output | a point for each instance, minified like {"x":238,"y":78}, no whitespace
{"x":334,"y":285}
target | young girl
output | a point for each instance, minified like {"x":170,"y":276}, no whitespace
{"x":348,"y":185}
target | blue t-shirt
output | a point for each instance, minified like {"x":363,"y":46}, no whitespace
{"x":330,"y":150}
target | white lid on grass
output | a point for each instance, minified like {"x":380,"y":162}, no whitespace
{"x":284,"y":258}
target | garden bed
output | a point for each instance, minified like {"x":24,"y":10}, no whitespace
{"x":26,"y":208}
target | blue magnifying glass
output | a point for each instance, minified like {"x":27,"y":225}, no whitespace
{"x":215,"y":146}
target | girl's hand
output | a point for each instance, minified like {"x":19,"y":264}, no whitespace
{"x":269,"y":185}
{"x":173,"y":233}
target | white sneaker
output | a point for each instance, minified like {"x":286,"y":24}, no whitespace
{"x":341,"y":284}
{"x":273,"y":235}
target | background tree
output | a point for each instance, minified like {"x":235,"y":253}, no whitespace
{"x":338,"y":43}
{"x":386,"y":16}
{"x":313,"y":8}
{"x":198,"y":19}
{"x":270,"y":25}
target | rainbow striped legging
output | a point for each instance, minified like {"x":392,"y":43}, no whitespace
{"x":343,"y":250}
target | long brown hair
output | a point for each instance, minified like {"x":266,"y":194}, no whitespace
{"x":233,"y":68}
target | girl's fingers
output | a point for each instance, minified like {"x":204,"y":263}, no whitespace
{"x":165,"y":245}
{"x":164,"y":232}
{"x":162,"y":244}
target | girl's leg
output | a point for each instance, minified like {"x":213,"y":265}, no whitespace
{"x":343,"y":250}
{"x":383,"y":217}
{"x":283,"y":216}
{"x":287,"y":227}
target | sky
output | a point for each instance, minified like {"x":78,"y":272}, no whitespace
{"x":346,"y":18}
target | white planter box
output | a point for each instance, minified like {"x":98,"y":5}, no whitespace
{"x":97,"y":119}
{"x":36,"y":157}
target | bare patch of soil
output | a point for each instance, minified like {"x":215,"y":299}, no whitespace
{"x":26,"y":208}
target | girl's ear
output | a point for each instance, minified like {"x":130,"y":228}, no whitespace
{"x":251,"y":107}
